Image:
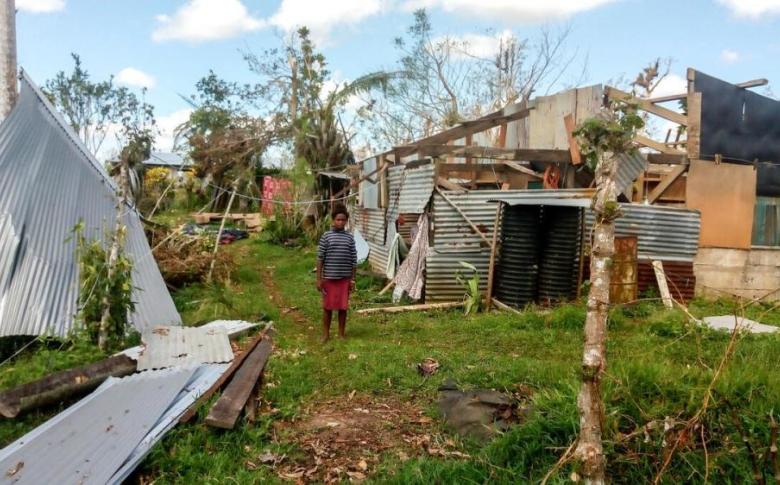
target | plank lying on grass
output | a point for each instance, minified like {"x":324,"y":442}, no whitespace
{"x":410,"y":308}
{"x":228,"y":407}
{"x":225,"y":376}
{"x":61,"y":385}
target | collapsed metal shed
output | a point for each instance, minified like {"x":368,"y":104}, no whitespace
{"x":49,"y":182}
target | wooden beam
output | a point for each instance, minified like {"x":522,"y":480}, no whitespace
{"x":492,"y":263}
{"x":365,"y":177}
{"x":504,"y":306}
{"x":666,"y":182}
{"x":237,"y":361}
{"x":663,"y":287}
{"x":466,"y":128}
{"x":666,"y":158}
{"x":574,"y":147}
{"x":646,"y":105}
{"x":522,"y":169}
{"x":516,"y":154}
{"x":664,"y":99}
{"x":656,"y":145}
{"x":228,"y":407}
{"x":410,"y":308}
{"x":465,"y":218}
{"x":694,"y":126}
{"x":450,"y":186}
{"x":753,"y":83}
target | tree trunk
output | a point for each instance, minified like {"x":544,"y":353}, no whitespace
{"x":7,"y":57}
{"x":594,"y":359}
{"x":116,"y":243}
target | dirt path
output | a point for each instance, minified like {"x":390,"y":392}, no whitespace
{"x":346,"y":437}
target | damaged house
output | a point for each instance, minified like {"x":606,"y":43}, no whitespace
{"x":509,"y":194}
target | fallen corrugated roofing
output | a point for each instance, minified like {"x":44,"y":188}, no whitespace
{"x":231,"y":327}
{"x":170,"y":346}
{"x":201,"y":381}
{"x":168,"y":159}
{"x":48,"y":183}
{"x":88,"y":442}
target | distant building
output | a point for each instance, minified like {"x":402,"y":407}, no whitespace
{"x":176,"y":163}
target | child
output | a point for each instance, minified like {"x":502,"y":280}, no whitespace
{"x":336,"y":266}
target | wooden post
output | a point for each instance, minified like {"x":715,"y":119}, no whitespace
{"x":7,"y":57}
{"x":694,"y":118}
{"x":219,"y":234}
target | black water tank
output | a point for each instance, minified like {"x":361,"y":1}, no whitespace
{"x":559,"y":253}
{"x":517,"y":271}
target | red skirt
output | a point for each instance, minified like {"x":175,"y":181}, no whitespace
{"x":335,"y":294}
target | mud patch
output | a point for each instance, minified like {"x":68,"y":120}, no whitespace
{"x":344,"y":439}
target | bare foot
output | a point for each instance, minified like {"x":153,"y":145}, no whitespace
{"x":324,"y":339}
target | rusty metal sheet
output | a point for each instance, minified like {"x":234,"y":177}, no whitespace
{"x":623,"y":279}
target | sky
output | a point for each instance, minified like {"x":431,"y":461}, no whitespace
{"x":167,"y":45}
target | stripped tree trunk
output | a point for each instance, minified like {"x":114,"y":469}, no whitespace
{"x":594,"y":359}
{"x":116,"y":243}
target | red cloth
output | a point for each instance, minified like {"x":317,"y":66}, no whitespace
{"x":335,"y":294}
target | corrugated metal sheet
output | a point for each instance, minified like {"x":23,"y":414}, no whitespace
{"x":629,"y":168}
{"x":231,"y":327}
{"x":48,"y":183}
{"x":664,"y":233}
{"x":416,"y":189}
{"x":369,"y":193}
{"x":452,"y":233}
{"x":373,"y":225}
{"x":766,"y":222}
{"x":89,"y":442}
{"x":440,"y":271}
{"x":170,"y":346}
{"x":201,"y":381}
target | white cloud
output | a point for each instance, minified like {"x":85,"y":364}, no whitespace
{"x":40,"y":6}
{"x":167,"y":125}
{"x":477,"y":45}
{"x":671,"y":84}
{"x":322,"y":17}
{"x":515,"y":11}
{"x":752,"y":9}
{"x":131,"y":76}
{"x":204,"y":20}
{"x":729,"y":56}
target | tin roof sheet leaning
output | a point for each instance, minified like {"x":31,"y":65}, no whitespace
{"x":88,"y":442}
{"x":416,"y":189}
{"x":48,"y":183}
{"x":181,"y":346}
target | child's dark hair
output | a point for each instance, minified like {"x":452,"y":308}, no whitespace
{"x":339,"y":209}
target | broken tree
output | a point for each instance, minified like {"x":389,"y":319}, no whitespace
{"x":603,"y":140}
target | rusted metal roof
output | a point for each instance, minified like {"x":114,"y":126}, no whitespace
{"x":171,"y":346}
{"x":49,"y":182}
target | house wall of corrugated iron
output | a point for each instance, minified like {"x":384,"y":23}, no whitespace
{"x":416,"y":188}
{"x":664,"y":233}
{"x":48,"y":183}
{"x":680,"y":278}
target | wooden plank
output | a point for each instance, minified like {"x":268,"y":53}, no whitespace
{"x":574,"y":147}
{"x":667,"y":158}
{"x":228,"y":407}
{"x":492,"y":263}
{"x":225,"y":376}
{"x":466,"y":218}
{"x":504,"y":154}
{"x":504,"y":306}
{"x":656,"y":145}
{"x":450,"y":185}
{"x":665,"y":99}
{"x":754,"y":83}
{"x":665,"y":183}
{"x":663,"y":287}
{"x":468,"y":127}
{"x":61,"y":385}
{"x":694,"y":126}
{"x":410,"y":308}
{"x":725,"y":194}
{"x":522,"y":169}
{"x":646,"y":105}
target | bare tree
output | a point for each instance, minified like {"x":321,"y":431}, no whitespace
{"x":602,"y":140}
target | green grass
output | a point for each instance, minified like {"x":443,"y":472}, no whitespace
{"x":659,"y":366}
